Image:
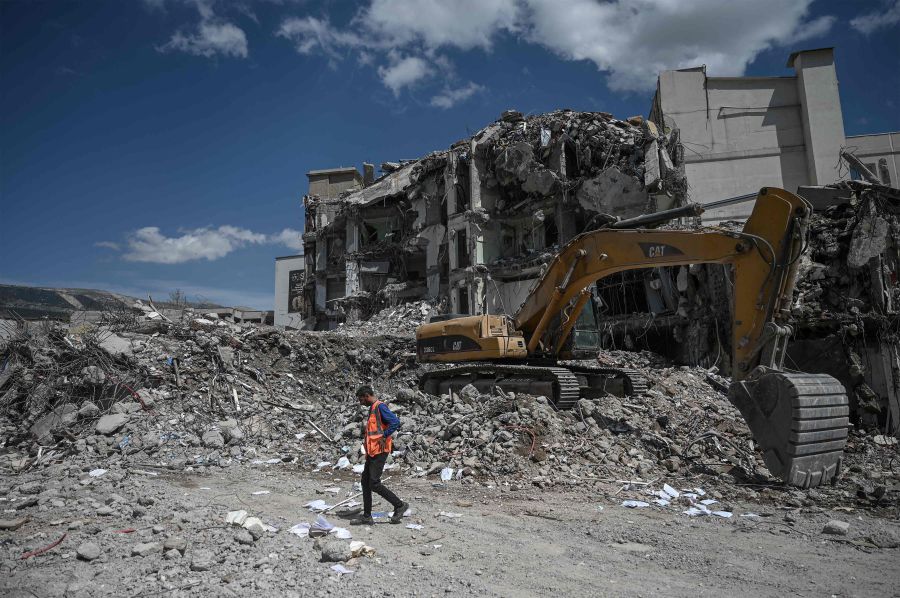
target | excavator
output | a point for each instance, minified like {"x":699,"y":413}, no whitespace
{"x":799,"y":421}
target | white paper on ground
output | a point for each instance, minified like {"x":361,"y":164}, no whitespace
{"x":635,"y":504}
{"x":96,"y":473}
{"x":708,"y":501}
{"x":450,"y":515}
{"x":670,"y":491}
{"x":317,"y":505}
{"x":273,"y":461}
{"x":661,"y":502}
{"x":343,"y":463}
{"x":413,"y":526}
{"x":358,"y":468}
{"x":260,"y":492}
{"x":341,"y":570}
{"x":341,"y":533}
{"x":301,"y":530}
{"x":322,"y":523}
{"x":446,"y":474}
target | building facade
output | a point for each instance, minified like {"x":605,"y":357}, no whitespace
{"x":290,"y":303}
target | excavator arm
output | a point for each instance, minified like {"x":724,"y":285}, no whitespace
{"x":763,"y":255}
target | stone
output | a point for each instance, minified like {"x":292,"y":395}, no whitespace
{"x":213,"y":439}
{"x":172,"y":554}
{"x":175,"y":542}
{"x":612,"y":192}
{"x":201,"y":560}
{"x":145,"y":549}
{"x":333,"y":550}
{"x":105,"y":511}
{"x":61,"y":417}
{"x":88,"y":410}
{"x":93,"y":375}
{"x":243,"y":536}
{"x":836,"y":527}
{"x":87,"y":551}
{"x":110,"y":424}
{"x":405,"y":395}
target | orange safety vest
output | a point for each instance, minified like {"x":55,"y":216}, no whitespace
{"x":376,"y":443}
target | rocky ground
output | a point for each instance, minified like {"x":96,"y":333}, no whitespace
{"x":129,"y":451}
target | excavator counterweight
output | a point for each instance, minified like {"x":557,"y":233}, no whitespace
{"x":799,"y":421}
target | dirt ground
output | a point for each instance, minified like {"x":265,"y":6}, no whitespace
{"x":507,"y":541}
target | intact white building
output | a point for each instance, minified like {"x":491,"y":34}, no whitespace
{"x":744,"y":133}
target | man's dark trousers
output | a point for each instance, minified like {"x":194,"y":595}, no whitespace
{"x":371,"y":482}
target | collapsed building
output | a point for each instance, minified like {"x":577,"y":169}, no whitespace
{"x":473,"y":226}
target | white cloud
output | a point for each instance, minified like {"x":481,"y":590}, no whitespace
{"x":403,"y":72}
{"x":875,"y":20}
{"x":210,"y":39}
{"x":630,"y":40}
{"x":288,"y":237}
{"x":309,"y":34}
{"x":148,"y":244}
{"x":448,"y":98}
{"x":463,"y":24}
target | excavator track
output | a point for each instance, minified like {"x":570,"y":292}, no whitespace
{"x":559,"y":382}
{"x":799,"y":421}
{"x":634,"y":381}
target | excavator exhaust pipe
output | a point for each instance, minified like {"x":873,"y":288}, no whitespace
{"x":799,"y":422}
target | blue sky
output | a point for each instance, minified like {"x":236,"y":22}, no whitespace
{"x":161,"y":144}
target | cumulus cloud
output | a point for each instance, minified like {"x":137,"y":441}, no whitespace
{"x":629,"y":40}
{"x":403,"y":72}
{"x":449,"y":98}
{"x":875,"y":20}
{"x":149,"y":244}
{"x":288,"y":237}
{"x":210,"y":39}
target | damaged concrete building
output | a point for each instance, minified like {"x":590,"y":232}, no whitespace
{"x":473,"y":226}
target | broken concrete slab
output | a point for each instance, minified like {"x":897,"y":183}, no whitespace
{"x":112,"y":423}
{"x":612,"y":192}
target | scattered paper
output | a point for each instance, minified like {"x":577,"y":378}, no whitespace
{"x":333,"y":490}
{"x":317,"y":505}
{"x":635,"y":504}
{"x":446,"y":474}
{"x":661,"y":502}
{"x":96,"y":473}
{"x":301,"y":530}
{"x":236,"y":517}
{"x":671,"y":491}
{"x":358,"y":468}
{"x":341,"y":533}
{"x":343,"y":463}
{"x":450,"y":515}
{"x":413,"y":526}
{"x":273,"y":461}
{"x":341,"y":570}
{"x":708,"y":501}
{"x":260,"y":492}
{"x":300,"y":435}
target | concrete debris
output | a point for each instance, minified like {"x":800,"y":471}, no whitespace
{"x":88,"y":551}
{"x":836,"y":527}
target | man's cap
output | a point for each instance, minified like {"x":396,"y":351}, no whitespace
{"x":365,"y":389}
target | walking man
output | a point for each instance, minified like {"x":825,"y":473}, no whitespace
{"x":380,"y":424}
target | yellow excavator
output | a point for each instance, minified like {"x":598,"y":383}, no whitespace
{"x":799,"y":421}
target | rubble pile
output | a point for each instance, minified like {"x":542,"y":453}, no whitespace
{"x":400,"y":320}
{"x":219,"y":394}
{"x":847,"y":309}
{"x":603,"y":162}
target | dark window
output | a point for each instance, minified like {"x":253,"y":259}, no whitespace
{"x":551,"y":233}
{"x":463,"y":300}
{"x":462,"y":249}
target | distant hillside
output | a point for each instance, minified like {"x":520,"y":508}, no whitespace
{"x":57,"y":304}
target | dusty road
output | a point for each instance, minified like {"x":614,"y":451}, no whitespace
{"x":507,"y":542}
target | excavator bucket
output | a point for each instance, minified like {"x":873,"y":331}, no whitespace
{"x":799,"y":421}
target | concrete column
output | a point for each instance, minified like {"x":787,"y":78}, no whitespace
{"x":450,"y":182}
{"x":820,"y":107}
{"x":351,"y":266}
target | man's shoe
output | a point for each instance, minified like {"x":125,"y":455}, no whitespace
{"x":397,"y":517}
{"x":363,"y":520}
